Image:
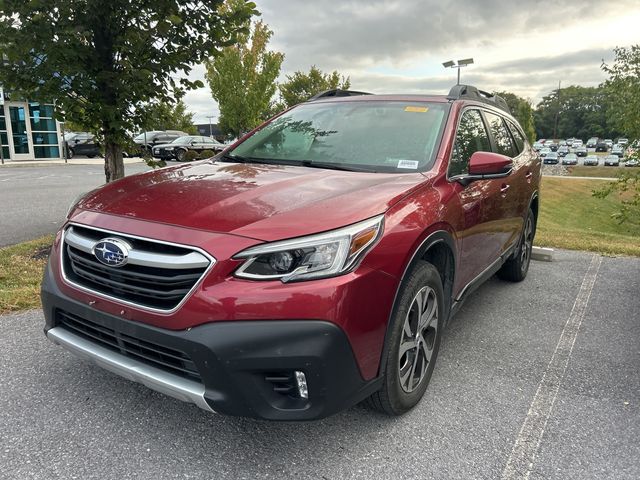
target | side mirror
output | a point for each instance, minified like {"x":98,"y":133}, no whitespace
{"x":489,"y":163}
{"x":485,"y":166}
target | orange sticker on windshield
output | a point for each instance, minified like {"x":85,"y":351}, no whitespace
{"x":416,"y":109}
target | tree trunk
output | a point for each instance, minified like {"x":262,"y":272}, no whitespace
{"x":113,"y":163}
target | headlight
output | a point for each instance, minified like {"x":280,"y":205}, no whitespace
{"x":316,"y":256}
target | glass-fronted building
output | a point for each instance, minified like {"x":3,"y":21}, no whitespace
{"x":28,"y":131}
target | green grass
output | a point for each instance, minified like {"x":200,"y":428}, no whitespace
{"x":600,"y":171}
{"x":21,"y":268}
{"x":570,"y":217}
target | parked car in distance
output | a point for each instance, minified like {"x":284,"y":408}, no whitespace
{"x":631,"y":162}
{"x":295,"y":275}
{"x":602,"y":147}
{"x":618,"y":150}
{"x":576,"y":143}
{"x":181,"y":145}
{"x":563,"y":150}
{"x":81,"y":143}
{"x":623,"y":141}
{"x":156,"y":137}
{"x":552,"y":145}
{"x":591,"y":160}
{"x":592,"y":142}
{"x":612,"y":160}
{"x":609,"y":142}
{"x":581,"y":151}
{"x":551,"y":158}
{"x":570,"y":159}
{"x":537,"y":146}
{"x":545,"y":151}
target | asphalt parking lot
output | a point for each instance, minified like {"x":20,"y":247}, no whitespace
{"x":34,"y":199}
{"x":538,"y":378}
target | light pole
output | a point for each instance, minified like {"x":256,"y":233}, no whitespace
{"x":210,"y":130}
{"x":461,"y":63}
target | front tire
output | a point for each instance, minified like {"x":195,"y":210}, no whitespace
{"x":180,"y":154}
{"x":515,"y":269}
{"x":417,"y":325}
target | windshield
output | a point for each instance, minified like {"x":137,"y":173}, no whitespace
{"x":381,"y":136}
{"x":183,"y":140}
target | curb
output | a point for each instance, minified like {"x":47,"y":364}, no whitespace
{"x":542,"y":254}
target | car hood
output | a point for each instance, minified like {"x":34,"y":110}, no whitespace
{"x":265,"y":202}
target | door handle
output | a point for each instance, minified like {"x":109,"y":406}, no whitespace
{"x":529,"y":175}
{"x":503,"y":189}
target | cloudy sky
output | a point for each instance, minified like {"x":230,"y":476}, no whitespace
{"x":392,"y":46}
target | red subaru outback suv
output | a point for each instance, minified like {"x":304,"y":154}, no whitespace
{"x":311,"y":266}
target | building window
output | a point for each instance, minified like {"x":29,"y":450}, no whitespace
{"x":4,"y":139}
{"x":43,"y":131}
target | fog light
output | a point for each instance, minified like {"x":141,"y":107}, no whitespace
{"x":301,"y":380}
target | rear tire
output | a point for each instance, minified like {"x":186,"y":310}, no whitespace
{"x":515,"y":269}
{"x":417,"y":325}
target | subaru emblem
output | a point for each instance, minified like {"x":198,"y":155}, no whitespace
{"x":112,"y":252}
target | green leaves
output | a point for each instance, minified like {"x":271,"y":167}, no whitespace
{"x":242,"y":79}
{"x":102,"y":61}
{"x":301,"y":86}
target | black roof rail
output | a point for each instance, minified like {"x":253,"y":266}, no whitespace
{"x":336,"y":92}
{"x":472,"y":93}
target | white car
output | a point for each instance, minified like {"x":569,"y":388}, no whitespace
{"x":612,"y":160}
{"x":591,"y":160}
{"x":545,"y":151}
{"x":618,"y":150}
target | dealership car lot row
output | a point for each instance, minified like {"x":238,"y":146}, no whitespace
{"x":61,"y":415}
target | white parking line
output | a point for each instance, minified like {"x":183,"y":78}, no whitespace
{"x":527,"y":443}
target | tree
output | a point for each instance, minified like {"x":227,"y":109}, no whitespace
{"x":242,"y":80}
{"x":623,"y":90}
{"x":574,"y":111}
{"x":301,"y":86}
{"x":102,"y":60}
{"x":522,"y":111}
{"x":164,"y":115}
{"x":623,"y":94}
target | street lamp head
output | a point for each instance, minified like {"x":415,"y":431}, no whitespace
{"x":448,"y":64}
{"x":465,"y":61}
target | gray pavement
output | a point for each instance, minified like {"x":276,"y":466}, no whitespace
{"x":61,"y":417}
{"x":34,"y":198}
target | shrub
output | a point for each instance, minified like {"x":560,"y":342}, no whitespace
{"x":190,"y":156}
{"x":207,"y":154}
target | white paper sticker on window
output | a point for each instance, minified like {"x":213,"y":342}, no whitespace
{"x":412,"y":164}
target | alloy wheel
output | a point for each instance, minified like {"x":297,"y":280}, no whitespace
{"x":527,"y":245}
{"x":418,"y":339}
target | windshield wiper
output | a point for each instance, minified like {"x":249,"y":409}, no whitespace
{"x":238,"y":158}
{"x":334,"y":166}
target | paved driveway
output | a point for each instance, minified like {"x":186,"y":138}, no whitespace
{"x":539,"y":378}
{"x":34,"y":199}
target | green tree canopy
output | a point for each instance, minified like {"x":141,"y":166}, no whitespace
{"x":301,"y":86}
{"x":165,"y":115}
{"x":100,"y":61}
{"x":623,"y":90}
{"x":580,"y":112}
{"x":242,"y":80}
{"x":522,"y":110}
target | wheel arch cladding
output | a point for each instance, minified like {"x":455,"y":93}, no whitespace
{"x":438,"y":248}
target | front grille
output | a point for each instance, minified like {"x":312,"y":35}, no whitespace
{"x":167,"y":359}
{"x":157,"y":276}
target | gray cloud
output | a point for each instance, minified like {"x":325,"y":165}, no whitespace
{"x":362,"y":37}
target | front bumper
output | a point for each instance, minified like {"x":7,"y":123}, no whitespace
{"x":233,"y":360}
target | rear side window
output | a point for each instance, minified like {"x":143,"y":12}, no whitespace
{"x":501,"y":136}
{"x":471,"y":137}
{"x":517,"y":136}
